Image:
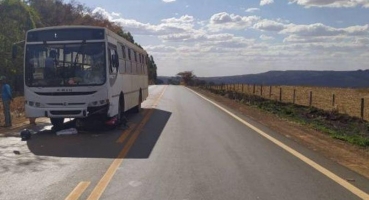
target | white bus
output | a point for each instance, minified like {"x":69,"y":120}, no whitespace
{"x":82,"y":72}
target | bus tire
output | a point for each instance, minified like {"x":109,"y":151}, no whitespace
{"x":120,"y":116}
{"x":137,"y":108}
{"x":57,"y":122}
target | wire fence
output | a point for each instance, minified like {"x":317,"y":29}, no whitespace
{"x":344,"y":100}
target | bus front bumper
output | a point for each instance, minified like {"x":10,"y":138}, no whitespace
{"x":60,"y":112}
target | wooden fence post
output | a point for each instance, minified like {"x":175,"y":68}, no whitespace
{"x":333,"y":100}
{"x":294,"y":96}
{"x":242,"y":88}
{"x":362,"y":108}
{"x":253,"y":89}
{"x":270,"y":92}
{"x":280,"y":94}
{"x":311,"y":98}
{"x":261,"y":90}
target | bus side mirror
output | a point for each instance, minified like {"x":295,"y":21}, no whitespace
{"x":14,"y":51}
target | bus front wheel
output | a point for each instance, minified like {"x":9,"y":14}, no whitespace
{"x":57,"y":122}
{"x":120,"y":116}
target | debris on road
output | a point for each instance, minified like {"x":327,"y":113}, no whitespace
{"x":25,"y":134}
{"x":69,"y":131}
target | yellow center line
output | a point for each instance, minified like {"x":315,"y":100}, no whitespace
{"x":78,"y":190}
{"x":105,"y":180}
{"x":161,"y":95}
{"x":125,"y":133}
{"x":308,"y":161}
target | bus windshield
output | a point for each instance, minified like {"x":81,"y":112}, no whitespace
{"x":73,"y":64}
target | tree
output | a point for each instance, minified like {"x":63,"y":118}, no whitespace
{"x":152,"y":69}
{"x":16,"y":18}
{"x":187,"y":77}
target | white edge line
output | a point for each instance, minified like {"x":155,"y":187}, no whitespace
{"x":308,"y":161}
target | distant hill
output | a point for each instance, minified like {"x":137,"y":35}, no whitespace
{"x":352,"y":79}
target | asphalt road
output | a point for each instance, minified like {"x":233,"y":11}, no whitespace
{"x":180,"y":146}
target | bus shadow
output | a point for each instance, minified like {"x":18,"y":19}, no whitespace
{"x":102,"y":144}
{"x":149,"y":135}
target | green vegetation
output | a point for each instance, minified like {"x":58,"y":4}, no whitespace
{"x":152,"y":70}
{"x":340,"y":126}
{"x":188,"y":78}
{"x":19,"y":16}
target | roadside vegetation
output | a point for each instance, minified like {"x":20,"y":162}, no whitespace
{"x":339,"y":126}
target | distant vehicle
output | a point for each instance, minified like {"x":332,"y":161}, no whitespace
{"x":82,"y":72}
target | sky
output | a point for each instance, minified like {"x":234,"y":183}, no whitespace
{"x":235,"y":37}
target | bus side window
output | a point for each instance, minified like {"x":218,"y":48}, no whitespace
{"x":129,"y":54}
{"x":123,"y":56}
{"x":124,"y":52}
{"x":143,"y":64}
{"x":140,"y":60}
{"x":129,"y":63}
{"x":113,"y":61}
{"x":138,"y":64}
{"x":134,"y":64}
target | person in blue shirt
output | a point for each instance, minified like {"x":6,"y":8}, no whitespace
{"x":6,"y":95}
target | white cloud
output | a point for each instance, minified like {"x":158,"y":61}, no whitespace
{"x":269,"y":25}
{"x":265,"y":37}
{"x":332,"y":3}
{"x":168,"y":1}
{"x":357,"y":30}
{"x":251,"y":10}
{"x":182,"y":24}
{"x":224,"y":40}
{"x":319,"y":29}
{"x":363,"y":40}
{"x":115,"y":14}
{"x":160,"y":48}
{"x":266,"y":2}
{"x":185,"y":43}
{"x":103,"y":13}
{"x":321,"y":39}
{"x":224,"y":20}
{"x":182,"y":19}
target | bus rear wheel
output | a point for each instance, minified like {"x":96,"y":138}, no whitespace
{"x":137,"y":108}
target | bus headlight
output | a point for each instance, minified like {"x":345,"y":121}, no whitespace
{"x":99,"y":103}
{"x":34,"y":104}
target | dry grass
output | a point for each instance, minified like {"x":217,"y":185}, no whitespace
{"x":347,"y":100}
{"x":16,"y":108}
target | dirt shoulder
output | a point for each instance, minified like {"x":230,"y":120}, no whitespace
{"x":353,"y":157}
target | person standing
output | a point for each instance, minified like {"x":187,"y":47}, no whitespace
{"x":6,"y":95}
